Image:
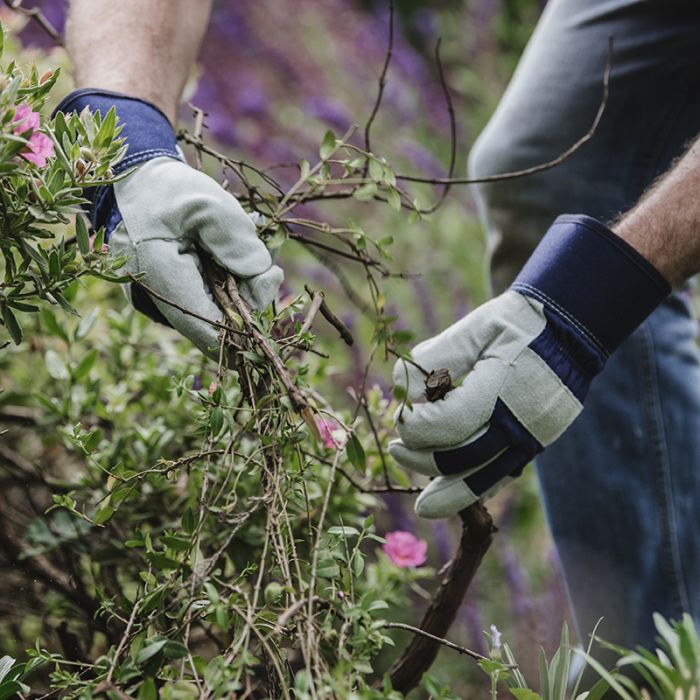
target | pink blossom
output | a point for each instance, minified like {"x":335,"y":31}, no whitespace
{"x":40,"y":146}
{"x":332,"y":435}
{"x":25,"y":119}
{"x":405,"y":549}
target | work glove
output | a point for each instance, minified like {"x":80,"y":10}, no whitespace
{"x":160,"y":213}
{"x":522,"y":364}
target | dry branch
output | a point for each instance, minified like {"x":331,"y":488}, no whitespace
{"x":416,"y":659}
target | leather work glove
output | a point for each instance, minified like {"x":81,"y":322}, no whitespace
{"x":161,"y":212}
{"x":522,"y":363}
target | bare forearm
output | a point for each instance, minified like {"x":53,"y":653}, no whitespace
{"x":665,"y":225}
{"x":144,"y":49}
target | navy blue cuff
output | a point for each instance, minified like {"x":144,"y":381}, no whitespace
{"x":593,"y":280}
{"x":146,"y":131}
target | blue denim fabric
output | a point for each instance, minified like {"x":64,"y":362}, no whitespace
{"x":621,"y":487}
{"x":147,"y":134}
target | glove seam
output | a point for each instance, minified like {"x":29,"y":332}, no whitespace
{"x":148,"y":154}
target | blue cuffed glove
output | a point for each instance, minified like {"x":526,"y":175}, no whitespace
{"x":161,"y":212}
{"x":522,"y":363}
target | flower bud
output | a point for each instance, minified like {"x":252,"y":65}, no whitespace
{"x":88,"y":154}
{"x":45,"y":77}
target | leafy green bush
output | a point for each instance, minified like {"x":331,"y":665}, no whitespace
{"x":40,"y":189}
{"x":172,"y":528}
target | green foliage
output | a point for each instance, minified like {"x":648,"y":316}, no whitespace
{"x":209,"y":535}
{"x":554,"y":675}
{"x":671,"y":672}
{"x":13,"y":675}
{"x":37,"y":268}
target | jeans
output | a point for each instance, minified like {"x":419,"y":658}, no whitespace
{"x":621,"y":487}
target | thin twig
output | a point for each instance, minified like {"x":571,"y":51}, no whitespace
{"x":316,"y":303}
{"x":188,"y":312}
{"x":326,"y":312}
{"x":535,"y":168}
{"x":453,"y":132}
{"x":445,"y":642}
{"x":382,"y":84}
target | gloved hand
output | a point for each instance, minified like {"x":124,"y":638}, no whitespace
{"x":162,"y":211}
{"x":525,"y":361}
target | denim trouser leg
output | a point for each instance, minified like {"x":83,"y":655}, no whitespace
{"x":622,"y":486}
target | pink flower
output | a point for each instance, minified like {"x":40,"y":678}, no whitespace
{"x":25,"y":119}
{"x":332,"y":435}
{"x":40,"y":146}
{"x":405,"y":549}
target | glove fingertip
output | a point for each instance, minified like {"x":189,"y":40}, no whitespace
{"x":419,"y":462}
{"x":261,"y":290}
{"x":444,"y":497}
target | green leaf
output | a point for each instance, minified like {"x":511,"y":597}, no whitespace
{"x":150,"y":650}
{"x":9,"y":689}
{"x":55,"y":365}
{"x":12,"y":325}
{"x":273,"y":591}
{"x":6,"y":662}
{"x":328,"y":568}
{"x":358,"y":564}
{"x":175,"y":650}
{"x":189,"y":521}
{"x":91,"y":440}
{"x":491,"y":666}
{"x":86,"y":323}
{"x":356,"y":453}
{"x":525,"y":694}
{"x":216,"y":421}
{"x":85,"y":365}
{"x":544,"y":674}
{"x":394,"y":199}
{"x":376,"y":170}
{"x":51,"y":324}
{"x":21,"y":306}
{"x":106,"y":130}
{"x":613,"y":679}
{"x":328,"y":145}
{"x":103,"y":515}
{"x":82,"y":235}
{"x":147,"y":690}
{"x":365,"y":192}
{"x":160,"y":561}
{"x":399,"y":392}
{"x":179,"y":544}
{"x":343,"y":531}
{"x":596,"y":692}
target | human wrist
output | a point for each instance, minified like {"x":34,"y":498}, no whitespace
{"x":636,"y":233}
{"x":593,"y":279}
